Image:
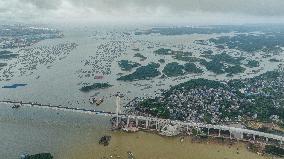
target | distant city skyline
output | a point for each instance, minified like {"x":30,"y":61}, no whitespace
{"x":144,"y":11}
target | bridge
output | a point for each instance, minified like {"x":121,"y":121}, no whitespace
{"x":162,"y":125}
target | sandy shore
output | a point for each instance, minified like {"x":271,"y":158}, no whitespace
{"x":151,"y":146}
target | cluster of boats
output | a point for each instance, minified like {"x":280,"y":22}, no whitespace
{"x":96,"y":101}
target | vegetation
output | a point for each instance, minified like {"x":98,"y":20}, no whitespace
{"x":155,"y":108}
{"x":173,"y":69}
{"x":277,"y":151}
{"x":252,"y":63}
{"x":126,"y":65}
{"x":2,"y":65}
{"x":163,"y":51}
{"x":215,"y":66}
{"x":208,"y":52}
{"x":186,"y":58}
{"x":7,"y":54}
{"x":223,"y":57}
{"x":95,"y":86}
{"x":262,"y":99}
{"x":178,"y":55}
{"x":235,"y":69}
{"x":268,"y":42}
{"x":162,"y":61}
{"x":192,"y":68}
{"x":142,"y":73}
{"x":274,"y":60}
{"x":142,"y":57}
{"x":200,"y":82}
{"x":40,"y":156}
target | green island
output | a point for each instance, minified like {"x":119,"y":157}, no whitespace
{"x":143,"y":73}
{"x":270,"y":42}
{"x":161,"y":60}
{"x":274,"y":60}
{"x":139,"y":55}
{"x":95,"y":86}
{"x":252,"y":63}
{"x":236,"y":69}
{"x":178,"y":55}
{"x":127,"y":65}
{"x":2,"y":65}
{"x":192,"y":68}
{"x":7,"y":54}
{"x":173,"y":69}
{"x":163,"y":51}
{"x":186,"y":58}
{"x":39,"y":156}
{"x":273,"y":150}
{"x":226,"y":58}
{"x":216,"y":64}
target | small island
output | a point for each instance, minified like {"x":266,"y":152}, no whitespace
{"x":252,"y":63}
{"x":161,"y":60}
{"x":38,"y":156}
{"x":142,"y":57}
{"x":192,"y":68}
{"x":223,"y":63}
{"x":95,"y":86}
{"x":236,"y":69}
{"x":7,"y":54}
{"x":173,"y":69}
{"x":127,"y":65}
{"x":143,"y":73}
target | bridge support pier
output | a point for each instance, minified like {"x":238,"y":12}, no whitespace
{"x":230,"y":135}
{"x":253,"y":137}
{"x":136,"y":122}
{"x":219,"y":133}
{"x":157,"y":125}
{"x":127,"y":124}
{"x":147,"y":124}
{"x":208,"y":133}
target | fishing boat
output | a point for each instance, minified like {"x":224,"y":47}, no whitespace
{"x":16,"y":106}
{"x":99,"y":101}
{"x":92,"y":100}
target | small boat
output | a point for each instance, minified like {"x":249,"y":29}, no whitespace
{"x":99,"y":77}
{"x":130,"y":129}
{"x":92,"y":100}
{"x":16,"y":106}
{"x":99,"y":102}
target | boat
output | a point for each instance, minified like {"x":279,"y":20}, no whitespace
{"x":130,"y":129}
{"x":99,"y":102}
{"x":99,"y":77}
{"x":16,"y":106}
{"x":92,"y":100}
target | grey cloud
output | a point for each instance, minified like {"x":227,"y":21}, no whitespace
{"x":145,"y":9}
{"x":249,"y":7}
{"x":44,"y":4}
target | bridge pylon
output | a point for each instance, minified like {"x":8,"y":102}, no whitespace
{"x":118,"y":110}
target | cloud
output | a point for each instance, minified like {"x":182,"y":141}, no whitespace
{"x":142,"y":10}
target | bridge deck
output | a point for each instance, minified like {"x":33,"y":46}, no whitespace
{"x":181,"y":123}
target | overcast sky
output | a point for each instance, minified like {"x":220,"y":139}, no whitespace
{"x":164,"y":11}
